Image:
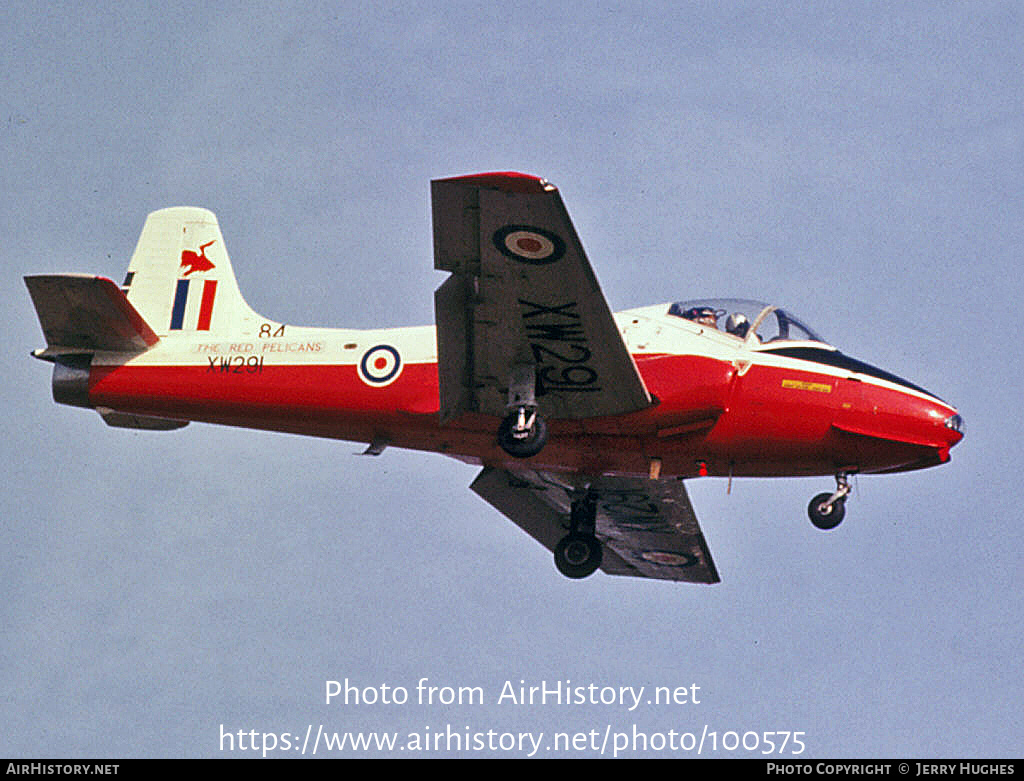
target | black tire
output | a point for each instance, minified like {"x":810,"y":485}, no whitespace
{"x":831,"y":517}
{"x":529,"y":445}
{"x":578,"y":555}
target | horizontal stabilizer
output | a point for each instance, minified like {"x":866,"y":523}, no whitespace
{"x":82,"y":313}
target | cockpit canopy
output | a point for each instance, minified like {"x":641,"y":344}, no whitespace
{"x":738,"y":317}
{"x":779,"y":333}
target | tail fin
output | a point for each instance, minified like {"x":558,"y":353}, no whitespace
{"x":180,"y":278}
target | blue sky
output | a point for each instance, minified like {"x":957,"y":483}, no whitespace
{"x":858,"y":163}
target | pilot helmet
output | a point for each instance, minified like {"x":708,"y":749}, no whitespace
{"x":737,"y":324}
{"x":698,"y":313}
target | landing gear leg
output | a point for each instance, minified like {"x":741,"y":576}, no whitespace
{"x":522,"y":433}
{"x":579,"y":553}
{"x":826,"y":511}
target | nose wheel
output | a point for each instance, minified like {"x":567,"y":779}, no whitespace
{"x":579,"y":553}
{"x":827,"y":511}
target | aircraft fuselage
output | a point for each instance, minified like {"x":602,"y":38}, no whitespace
{"x":723,"y":409}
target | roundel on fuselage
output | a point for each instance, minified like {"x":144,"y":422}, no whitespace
{"x":380,"y":365}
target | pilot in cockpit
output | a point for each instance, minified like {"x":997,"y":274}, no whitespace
{"x":737,"y":324}
{"x":704,"y":315}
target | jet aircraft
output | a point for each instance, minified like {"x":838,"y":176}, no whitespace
{"x":585,"y":423}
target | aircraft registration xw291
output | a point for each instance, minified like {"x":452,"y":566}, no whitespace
{"x":585,"y":422}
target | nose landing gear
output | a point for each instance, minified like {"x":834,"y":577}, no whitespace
{"x":826,"y":511}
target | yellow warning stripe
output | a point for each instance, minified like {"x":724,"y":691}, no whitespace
{"x":817,"y":387}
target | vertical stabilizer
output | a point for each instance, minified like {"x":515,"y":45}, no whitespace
{"x":180,"y":278}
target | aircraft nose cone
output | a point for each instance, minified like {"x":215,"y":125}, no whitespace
{"x":955,"y":424}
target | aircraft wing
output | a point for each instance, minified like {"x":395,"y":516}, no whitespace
{"x":522,"y":294}
{"x":647,"y":527}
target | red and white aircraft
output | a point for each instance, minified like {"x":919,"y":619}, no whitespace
{"x":585,"y":422}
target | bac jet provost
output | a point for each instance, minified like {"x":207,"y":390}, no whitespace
{"x":585,"y":422}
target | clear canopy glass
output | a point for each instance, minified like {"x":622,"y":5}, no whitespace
{"x":739,"y":317}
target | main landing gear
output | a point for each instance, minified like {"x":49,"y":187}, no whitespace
{"x":522,"y":433}
{"x":579,"y":553}
{"x":826,"y":511}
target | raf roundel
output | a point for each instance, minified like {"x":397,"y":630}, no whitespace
{"x":529,"y":245}
{"x":668,"y":559}
{"x":380,"y":365}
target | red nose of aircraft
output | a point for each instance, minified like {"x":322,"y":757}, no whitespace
{"x":947,"y":426}
{"x":918,"y":427}
{"x":954,"y":425}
